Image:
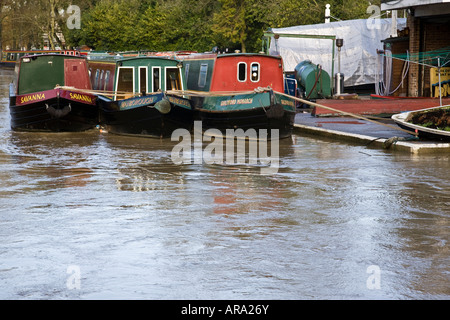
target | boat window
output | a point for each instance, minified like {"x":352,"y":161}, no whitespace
{"x":186,"y":71}
{"x":173,"y":81}
{"x":202,"y":75}
{"x":143,"y":80}
{"x":107,"y":76}
{"x":102,"y":79}
{"x":242,"y":72}
{"x":255,"y":72}
{"x":156,"y":78}
{"x":125,"y":81}
{"x":97,"y":75}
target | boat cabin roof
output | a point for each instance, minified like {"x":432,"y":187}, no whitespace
{"x":148,"y":60}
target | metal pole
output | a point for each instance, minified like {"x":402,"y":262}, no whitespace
{"x":439,"y":75}
{"x":332,"y":64}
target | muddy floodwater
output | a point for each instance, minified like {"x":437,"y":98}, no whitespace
{"x":94,"y":215}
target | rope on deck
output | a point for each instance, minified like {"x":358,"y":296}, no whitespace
{"x":100,"y":92}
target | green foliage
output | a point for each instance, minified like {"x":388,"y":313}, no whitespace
{"x":120,"y":25}
{"x":110,"y":25}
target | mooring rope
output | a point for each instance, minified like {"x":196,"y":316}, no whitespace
{"x":99,"y":92}
{"x":357,"y":116}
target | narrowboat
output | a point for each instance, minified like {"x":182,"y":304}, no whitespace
{"x":241,"y":91}
{"x":430,"y":123}
{"x":138,"y":104}
{"x":51,"y":93}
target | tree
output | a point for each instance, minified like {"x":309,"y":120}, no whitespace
{"x":24,"y":22}
{"x":110,"y":25}
{"x":199,"y":25}
{"x":229,"y":25}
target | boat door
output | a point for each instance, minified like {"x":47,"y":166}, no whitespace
{"x":76,"y":74}
{"x":173,"y":78}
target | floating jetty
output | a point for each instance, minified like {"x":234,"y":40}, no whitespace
{"x":383,"y":135}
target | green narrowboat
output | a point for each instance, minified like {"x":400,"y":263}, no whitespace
{"x":241,"y":91}
{"x":51,"y":93}
{"x":139,"y":105}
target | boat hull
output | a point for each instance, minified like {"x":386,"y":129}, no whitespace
{"x":260,"y":111}
{"x":54,"y":110}
{"x":403,"y":121}
{"x":155,"y":116}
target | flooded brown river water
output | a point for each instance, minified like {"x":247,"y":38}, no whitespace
{"x":99,"y":216}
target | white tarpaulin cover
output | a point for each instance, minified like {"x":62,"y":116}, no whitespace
{"x":361,"y":38}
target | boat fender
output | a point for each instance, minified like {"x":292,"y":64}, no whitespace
{"x":163,"y":106}
{"x":275,"y":110}
{"x":58,"y":113}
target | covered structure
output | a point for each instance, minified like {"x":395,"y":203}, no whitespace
{"x":317,"y":43}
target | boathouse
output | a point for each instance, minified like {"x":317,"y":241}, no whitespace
{"x":423,"y":44}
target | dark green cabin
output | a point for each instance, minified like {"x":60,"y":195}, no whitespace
{"x":149,"y":74}
{"x":45,"y":72}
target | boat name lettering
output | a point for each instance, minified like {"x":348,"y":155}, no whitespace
{"x":236,"y":101}
{"x":32,"y":97}
{"x":287,"y":103}
{"x":179,"y":101}
{"x":137,"y":102}
{"x":81,"y":97}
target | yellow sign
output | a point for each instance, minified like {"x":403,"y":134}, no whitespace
{"x":32,"y":98}
{"x":445,"y":82}
{"x":81,"y":97}
{"x":236,"y":101}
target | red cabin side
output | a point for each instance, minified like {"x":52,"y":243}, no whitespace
{"x":246,"y":72}
{"x":102,"y":74}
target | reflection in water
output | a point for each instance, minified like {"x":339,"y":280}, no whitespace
{"x":49,"y":162}
{"x":139,"y":226}
{"x":244,"y":191}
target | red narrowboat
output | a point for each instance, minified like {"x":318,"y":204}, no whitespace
{"x":241,"y":90}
